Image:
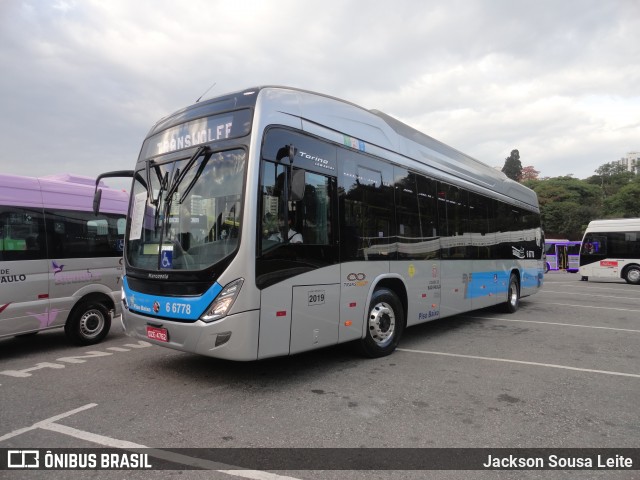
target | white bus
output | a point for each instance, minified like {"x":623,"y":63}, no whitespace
{"x":383,"y":228}
{"x":60,"y":265}
{"x":611,"y":249}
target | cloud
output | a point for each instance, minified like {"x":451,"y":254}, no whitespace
{"x":84,"y":81}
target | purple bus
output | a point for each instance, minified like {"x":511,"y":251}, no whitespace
{"x":60,"y":265}
{"x":562,"y":255}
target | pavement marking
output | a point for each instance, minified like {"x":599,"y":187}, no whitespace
{"x":590,"y":295}
{"x":257,"y":475}
{"x":47,"y":421}
{"x":555,"y":323}
{"x":592,"y":306}
{"x":520,"y":362}
{"x":582,"y":285}
{"x":50,"y":425}
{"x":90,"y":437}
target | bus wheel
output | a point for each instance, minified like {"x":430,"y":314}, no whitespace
{"x":88,"y":324}
{"x":513,"y":295}
{"x":385,"y":324}
{"x":632,"y":275}
{"x":584,"y":279}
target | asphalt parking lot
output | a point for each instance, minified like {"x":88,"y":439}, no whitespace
{"x":562,"y":372}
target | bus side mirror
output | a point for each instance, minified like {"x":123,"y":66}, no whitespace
{"x":97,"y":196}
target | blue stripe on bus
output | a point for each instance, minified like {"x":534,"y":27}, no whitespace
{"x":179,"y":308}
{"x":483,"y":284}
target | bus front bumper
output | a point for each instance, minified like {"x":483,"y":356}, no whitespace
{"x":234,"y":337}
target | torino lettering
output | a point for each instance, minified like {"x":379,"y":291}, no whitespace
{"x":219,"y":132}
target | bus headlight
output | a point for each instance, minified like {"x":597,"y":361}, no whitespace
{"x":223,"y":302}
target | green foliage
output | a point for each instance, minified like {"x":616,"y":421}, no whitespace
{"x":568,"y":204}
{"x":625,"y":202}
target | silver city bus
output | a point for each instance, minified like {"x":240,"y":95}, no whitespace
{"x":273,"y":220}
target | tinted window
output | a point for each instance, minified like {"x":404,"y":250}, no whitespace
{"x":296,"y":223}
{"x":22,"y":234}
{"x":416,"y":216}
{"x":481,"y":226}
{"x":428,"y":207}
{"x":453,"y":216}
{"x":73,"y":234}
{"x":367,"y":219}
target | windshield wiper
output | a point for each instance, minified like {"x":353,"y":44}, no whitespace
{"x":195,"y":177}
{"x":164,"y":182}
{"x":180,"y":175}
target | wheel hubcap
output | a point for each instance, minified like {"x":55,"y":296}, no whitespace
{"x":382,"y":324}
{"x":634,"y":275}
{"x":91,"y":324}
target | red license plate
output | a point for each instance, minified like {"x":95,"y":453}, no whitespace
{"x":160,"y":334}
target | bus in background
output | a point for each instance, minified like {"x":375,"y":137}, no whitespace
{"x":562,"y":255}
{"x":60,"y":265}
{"x":611,"y":249}
{"x":325,"y":223}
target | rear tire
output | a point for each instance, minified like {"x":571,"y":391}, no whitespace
{"x":632,"y":275}
{"x":513,"y":295}
{"x":385,"y":324}
{"x":88,"y":324}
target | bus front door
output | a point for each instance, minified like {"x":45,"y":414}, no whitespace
{"x":563,"y":260}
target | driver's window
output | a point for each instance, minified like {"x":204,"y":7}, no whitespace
{"x":594,"y":245}
{"x":315,"y":211}
{"x":305,"y":220}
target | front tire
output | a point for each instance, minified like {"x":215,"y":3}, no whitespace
{"x":632,"y":275}
{"x":88,"y":324}
{"x":513,"y":295}
{"x":385,"y":324}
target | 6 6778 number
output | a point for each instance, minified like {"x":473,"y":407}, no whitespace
{"x":171,"y":307}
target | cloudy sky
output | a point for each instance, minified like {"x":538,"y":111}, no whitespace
{"x":82,"y":82}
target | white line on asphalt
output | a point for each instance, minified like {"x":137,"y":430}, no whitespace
{"x":555,"y":323}
{"x":589,"y":295}
{"x":506,"y":360}
{"x":257,"y":475}
{"x":592,"y":306}
{"x":90,"y":437}
{"x":48,"y":420}
{"x":583,"y":287}
{"x":49,"y":424}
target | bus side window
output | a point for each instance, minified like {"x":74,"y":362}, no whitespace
{"x":21,"y":234}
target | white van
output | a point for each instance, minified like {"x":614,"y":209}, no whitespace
{"x":60,"y":265}
{"x":611,"y":249}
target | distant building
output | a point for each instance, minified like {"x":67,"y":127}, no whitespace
{"x":631,"y":162}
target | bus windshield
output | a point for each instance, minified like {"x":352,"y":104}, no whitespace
{"x":186,"y":216}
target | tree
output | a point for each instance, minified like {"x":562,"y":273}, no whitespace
{"x":529,"y":173}
{"x":625,"y":203}
{"x":512,"y":166}
{"x":567,"y":205}
{"x":611,"y":177}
